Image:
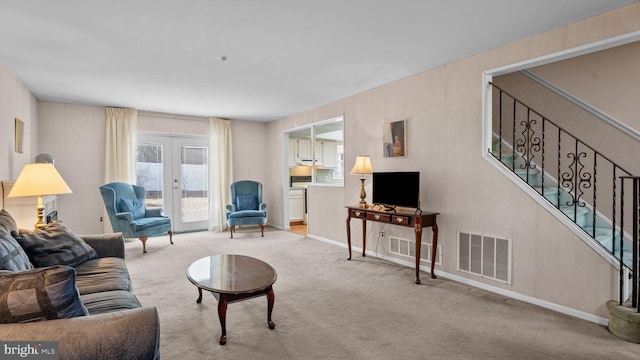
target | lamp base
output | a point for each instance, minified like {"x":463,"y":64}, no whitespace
{"x":363,"y":195}
{"x":40,"y":213}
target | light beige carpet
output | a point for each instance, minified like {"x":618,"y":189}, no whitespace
{"x":329,"y":308}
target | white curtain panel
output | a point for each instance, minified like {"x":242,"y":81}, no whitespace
{"x":220,"y":172}
{"x":120,"y":145}
{"x":120,"y":148}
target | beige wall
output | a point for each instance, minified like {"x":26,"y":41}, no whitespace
{"x":74,"y":136}
{"x":607,"y":80}
{"x":443,"y":108}
{"x":16,"y":101}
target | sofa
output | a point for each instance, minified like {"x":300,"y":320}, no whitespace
{"x":98,"y":317}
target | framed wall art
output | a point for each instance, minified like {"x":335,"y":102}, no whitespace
{"x":19,"y":135}
{"x":394,"y":139}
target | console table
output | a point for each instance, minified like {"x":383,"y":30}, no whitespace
{"x":398,"y":217}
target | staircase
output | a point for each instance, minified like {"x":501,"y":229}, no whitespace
{"x":583,"y":185}
{"x":593,"y":223}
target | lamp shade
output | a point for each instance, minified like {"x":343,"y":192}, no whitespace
{"x":39,"y":179}
{"x":362,"y":166}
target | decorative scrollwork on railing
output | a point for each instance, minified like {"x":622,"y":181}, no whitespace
{"x":576,"y":180}
{"x":528,"y":144}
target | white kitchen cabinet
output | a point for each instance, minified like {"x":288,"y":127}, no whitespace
{"x":296,"y":204}
{"x":293,"y":146}
{"x":304,"y":149}
{"x":329,"y":154}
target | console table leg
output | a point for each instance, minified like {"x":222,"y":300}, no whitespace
{"x":222,"y":314}
{"x":349,"y":234}
{"x":434,"y":249}
{"x":270,"y":300}
{"x":418,"y":230}
{"x":364,"y":237}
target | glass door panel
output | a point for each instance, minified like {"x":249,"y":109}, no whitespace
{"x":149,"y":173}
{"x":194,"y":183}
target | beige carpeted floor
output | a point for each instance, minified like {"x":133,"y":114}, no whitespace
{"x":329,"y":308}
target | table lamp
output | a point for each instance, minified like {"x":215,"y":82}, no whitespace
{"x":39,"y":179}
{"x":362,"y":168}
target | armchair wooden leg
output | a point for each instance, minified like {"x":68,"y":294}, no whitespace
{"x":231,"y":228}
{"x":171,"y":237}
{"x":262,"y":229}
{"x":144,"y":244}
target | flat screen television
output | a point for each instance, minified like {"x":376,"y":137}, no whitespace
{"x":391,"y":189}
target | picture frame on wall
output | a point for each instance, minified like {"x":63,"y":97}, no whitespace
{"x":19,"y":135}
{"x":394,"y":139}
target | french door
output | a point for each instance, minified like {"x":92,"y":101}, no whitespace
{"x":174,"y":171}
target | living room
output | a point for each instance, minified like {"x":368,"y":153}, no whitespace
{"x":443,"y":109}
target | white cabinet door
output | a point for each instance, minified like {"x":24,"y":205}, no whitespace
{"x":317,"y":151}
{"x":329,"y":154}
{"x":304,"y":149}
{"x":293,"y":143}
{"x":296,"y":204}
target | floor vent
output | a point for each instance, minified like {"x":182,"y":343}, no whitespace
{"x":485,"y":256}
{"x":407,"y":248}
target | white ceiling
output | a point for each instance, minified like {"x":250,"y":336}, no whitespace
{"x":282,"y":56}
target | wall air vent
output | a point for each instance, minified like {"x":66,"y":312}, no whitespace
{"x":485,"y":256}
{"x":407,"y":248}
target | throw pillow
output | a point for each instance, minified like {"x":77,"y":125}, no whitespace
{"x":39,"y":294}
{"x":7,"y":223}
{"x":12,"y":256}
{"x":247,"y":202}
{"x":134,"y":206}
{"x":55,"y":244}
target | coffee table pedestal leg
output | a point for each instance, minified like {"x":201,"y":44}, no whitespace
{"x":270,"y":301}
{"x":222,"y":314}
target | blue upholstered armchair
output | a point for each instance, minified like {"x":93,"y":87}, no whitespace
{"x":246,"y":206}
{"x":128,"y":214}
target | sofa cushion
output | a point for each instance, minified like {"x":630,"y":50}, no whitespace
{"x":39,"y":294}
{"x":12,"y":256}
{"x":55,"y":244}
{"x":134,"y":206}
{"x":7,"y":223}
{"x":247,"y":202}
{"x":109,"y":301}
{"x":103,"y":274}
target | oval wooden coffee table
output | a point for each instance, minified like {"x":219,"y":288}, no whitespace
{"x":231,"y":278}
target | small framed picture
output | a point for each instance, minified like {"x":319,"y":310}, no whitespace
{"x":394,"y":139}
{"x":19,"y":135}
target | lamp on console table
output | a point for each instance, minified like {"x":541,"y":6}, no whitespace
{"x":39,"y":179}
{"x":362,"y":168}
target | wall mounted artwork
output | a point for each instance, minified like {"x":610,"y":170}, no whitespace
{"x":394,"y":139}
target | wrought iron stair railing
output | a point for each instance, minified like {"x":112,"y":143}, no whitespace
{"x":578,"y":180}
